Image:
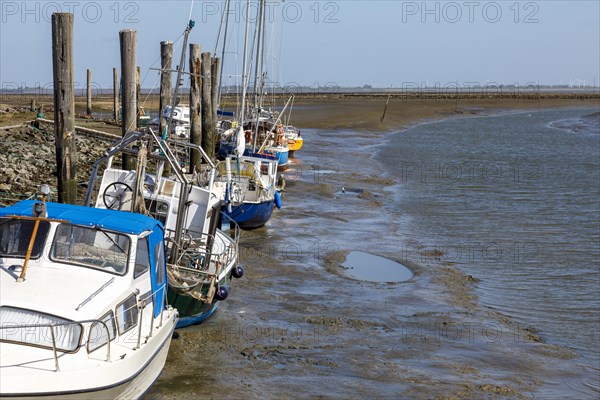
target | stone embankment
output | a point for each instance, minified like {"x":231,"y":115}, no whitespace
{"x":28,"y":159}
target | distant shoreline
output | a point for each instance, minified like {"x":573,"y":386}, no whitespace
{"x":359,"y":111}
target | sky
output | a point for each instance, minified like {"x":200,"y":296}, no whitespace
{"x":322,"y":44}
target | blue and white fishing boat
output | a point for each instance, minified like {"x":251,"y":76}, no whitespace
{"x":265,"y":138}
{"x":227,"y":147}
{"x":82,"y":302}
{"x":202,"y":259}
{"x":249,"y":186}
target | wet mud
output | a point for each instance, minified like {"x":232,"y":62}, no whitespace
{"x":295,"y":327}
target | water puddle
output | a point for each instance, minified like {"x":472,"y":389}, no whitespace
{"x":367,"y":267}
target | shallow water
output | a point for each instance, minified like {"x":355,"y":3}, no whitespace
{"x":367,"y":267}
{"x":495,"y":217}
{"x":514,"y":202}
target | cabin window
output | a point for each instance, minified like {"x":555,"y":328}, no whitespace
{"x":160,"y":264}
{"x":18,"y":325}
{"x":127,"y":314}
{"x":142,"y":258}
{"x":15,"y":236}
{"x":98,"y":332}
{"x":91,"y":247}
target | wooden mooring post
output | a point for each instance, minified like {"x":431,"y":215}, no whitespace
{"x":214,"y":94}
{"x":166,"y":89}
{"x":89,"y":93}
{"x":195,"y":106}
{"x":128,"y":42}
{"x":64,"y":107}
{"x":208,"y":123}
{"x":116,"y":94}
{"x":138,"y":91}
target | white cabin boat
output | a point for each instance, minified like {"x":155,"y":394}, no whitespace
{"x":83,"y":310}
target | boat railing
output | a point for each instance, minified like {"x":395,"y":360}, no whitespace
{"x":235,"y":233}
{"x":58,"y":331}
{"x":198,"y":269}
{"x":193,"y":250}
{"x":55,"y":336}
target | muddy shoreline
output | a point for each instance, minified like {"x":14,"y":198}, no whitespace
{"x":296,"y":327}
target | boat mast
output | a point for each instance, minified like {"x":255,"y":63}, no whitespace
{"x":224,"y":18}
{"x":185,"y":185}
{"x":180,"y":69}
{"x":262,"y":56}
{"x":258,"y":66}
{"x":244,"y":73}
{"x":259,"y":70}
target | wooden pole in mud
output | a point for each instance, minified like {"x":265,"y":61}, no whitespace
{"x":116,"y":94}
{"x":138,"y":90}
{"x":166,"y":65}
{"x":64,"y":107}
{"x":89,"y":93}
{"x":208,"y":124}
{"x":215,"y":68}
{"x":128,"y":41}
{"x":195,"y":106}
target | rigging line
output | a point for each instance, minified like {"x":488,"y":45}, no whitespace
{"x":151,"y":90}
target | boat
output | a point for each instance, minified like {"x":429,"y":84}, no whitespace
{"x":82,"y":302}
{"x":201,"y":258}
{"x":293,"y":137}
{"x":180,"y":126}
{"x":250,"y":189}
{"x":265,"y":128}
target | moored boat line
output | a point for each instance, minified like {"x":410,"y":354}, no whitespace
{"x":144,"y":255}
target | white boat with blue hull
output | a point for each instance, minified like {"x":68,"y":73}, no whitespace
{"x":249,"y":186}
{"x":82,"y":302}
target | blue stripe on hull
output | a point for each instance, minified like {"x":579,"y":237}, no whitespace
{"x":198,"y":318}
{"x":251,"y":215}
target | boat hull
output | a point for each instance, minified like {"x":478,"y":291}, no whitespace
{"x":295,"y":144}
{"x":251,"y":215}
{"x":282,"y":155}
{"x":191,"y":310}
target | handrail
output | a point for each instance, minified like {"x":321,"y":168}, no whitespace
{"x":107,"y":341}
{"x":55,"y":348}
{"x":56,"y":368}
{"x":89,"y":324}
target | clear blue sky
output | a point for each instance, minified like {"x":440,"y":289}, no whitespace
{"x":319,"y":43}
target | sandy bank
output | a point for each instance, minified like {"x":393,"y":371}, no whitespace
{"x":350,"y":112}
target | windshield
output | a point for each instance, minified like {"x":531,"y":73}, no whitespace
{"x":15,"y":236}
{"x":91,"y":247}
